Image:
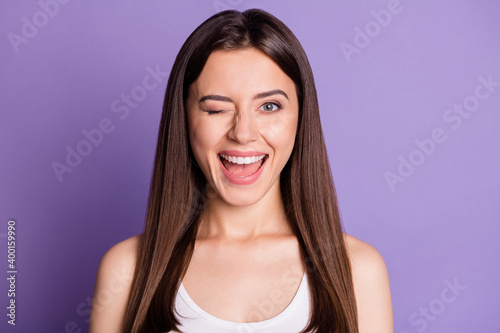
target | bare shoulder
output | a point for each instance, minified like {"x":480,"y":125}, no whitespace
{"x":363,"y":255}
{"x":118,"y":261}
{"x":122,"y":254}
{"x":112,"y":286}
{"x":371,"y":286}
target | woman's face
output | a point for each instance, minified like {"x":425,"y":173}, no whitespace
{"x":244,"y":108}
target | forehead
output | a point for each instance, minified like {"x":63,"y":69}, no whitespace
{"x":242,"y":71}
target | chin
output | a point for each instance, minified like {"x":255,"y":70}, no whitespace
{"x":241,"y":199}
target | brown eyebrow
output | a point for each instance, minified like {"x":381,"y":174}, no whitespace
{"x":258,"y":96}
{"x":270,"y":93}
{"x":215,"y":98}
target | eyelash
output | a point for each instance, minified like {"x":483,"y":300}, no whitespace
{"x":278,"y":107}
{"x":212,"y":112}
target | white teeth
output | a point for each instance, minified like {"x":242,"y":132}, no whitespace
{"x":243,"y":160}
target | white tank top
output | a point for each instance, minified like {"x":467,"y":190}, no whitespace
{"x":293,"y":319}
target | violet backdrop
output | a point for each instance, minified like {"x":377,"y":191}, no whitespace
{"x":409,"y":96}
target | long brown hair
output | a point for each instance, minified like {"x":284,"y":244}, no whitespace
{"x":178,"y":188}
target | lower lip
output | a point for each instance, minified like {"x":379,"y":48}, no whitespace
{"x":242,"y":180}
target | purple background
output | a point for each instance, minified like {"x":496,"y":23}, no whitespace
{"x":440,"y":224}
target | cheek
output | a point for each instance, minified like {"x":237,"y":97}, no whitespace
{"x":279,"y":130}
{"x":204,"y":137}
{"x":198,"y":143}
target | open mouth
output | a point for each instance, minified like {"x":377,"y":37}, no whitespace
{"x":243,"y":166}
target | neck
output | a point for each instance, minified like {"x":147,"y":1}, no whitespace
{"x":226,"y":222}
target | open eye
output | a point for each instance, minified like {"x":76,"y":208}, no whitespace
{"x":270,"y":107}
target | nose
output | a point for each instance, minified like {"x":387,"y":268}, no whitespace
{"x":243,"y":129}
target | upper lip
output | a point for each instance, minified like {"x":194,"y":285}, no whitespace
{"x":239,"y":153}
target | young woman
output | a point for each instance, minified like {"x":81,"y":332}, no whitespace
{"x":243,"y":232}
